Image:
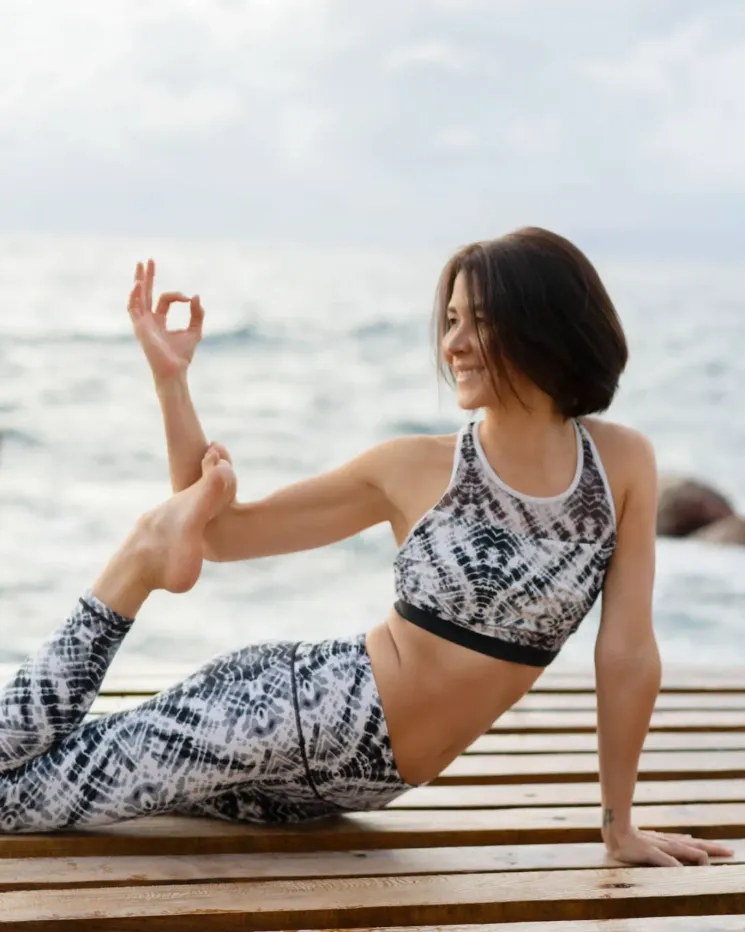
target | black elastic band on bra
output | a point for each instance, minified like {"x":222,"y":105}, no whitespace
{"x":474,"y":640}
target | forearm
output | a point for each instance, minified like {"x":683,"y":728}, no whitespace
{"x":185,"y":438}
{"x":627,"y":686}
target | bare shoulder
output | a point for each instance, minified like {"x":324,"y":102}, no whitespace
{"x":414,"y":452}
{"x":627,"y":456}
{"x":617,"y":440}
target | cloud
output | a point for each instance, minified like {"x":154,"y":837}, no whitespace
{"x":687,"y":86}
{"x":457,"y":138}
{"x":432,"y":53}
{"x":540,"y":135}
{"x":396,"y":123}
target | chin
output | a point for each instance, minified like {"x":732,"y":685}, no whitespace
{"x":471,"y":401}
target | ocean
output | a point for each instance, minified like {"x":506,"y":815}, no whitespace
{"x":310,"y":356}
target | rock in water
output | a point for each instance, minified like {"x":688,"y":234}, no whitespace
{"x":686,"y":505}
{"x":729,"y":530}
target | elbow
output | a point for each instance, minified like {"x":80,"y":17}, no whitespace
{"x":636,"y":666}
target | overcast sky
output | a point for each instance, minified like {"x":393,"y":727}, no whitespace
{"x":390,"y":123}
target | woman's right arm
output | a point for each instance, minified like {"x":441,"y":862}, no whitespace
{"x":311,"y":513}
{"x":169,"y":354}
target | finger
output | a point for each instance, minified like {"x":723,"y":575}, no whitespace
{"x":211,"y":458}
{"x":224,"y":455}
{"x":690,"y":854}
{"x":712,"y":848}
{"x":167,"y":299}
{"x":149,"y":280}
{"x":717,"y":850}
{"x":197,"y":315}
{"x":658,"y":858}
{"x":134,"y":305}
{"x":139,"y":272}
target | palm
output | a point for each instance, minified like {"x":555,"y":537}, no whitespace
{"x":168,"y":352}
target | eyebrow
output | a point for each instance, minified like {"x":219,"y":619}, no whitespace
{"x":451,"y":309}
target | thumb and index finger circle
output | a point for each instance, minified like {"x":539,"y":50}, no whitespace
{"x":167,"y":299}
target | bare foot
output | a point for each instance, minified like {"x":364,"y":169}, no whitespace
{"x":169,"y":539}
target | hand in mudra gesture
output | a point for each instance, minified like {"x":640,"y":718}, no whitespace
{"x":169,"y":352}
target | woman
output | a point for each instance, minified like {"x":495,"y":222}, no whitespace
{"x":508,"y":532}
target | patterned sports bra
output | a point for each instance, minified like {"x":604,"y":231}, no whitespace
{"x":503,"y":573}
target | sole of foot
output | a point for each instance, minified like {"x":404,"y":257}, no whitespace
{"x":169,"y":538}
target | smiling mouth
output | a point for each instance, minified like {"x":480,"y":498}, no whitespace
{"x":463,"y":375}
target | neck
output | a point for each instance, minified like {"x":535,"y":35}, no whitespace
{"x":530,"y":431}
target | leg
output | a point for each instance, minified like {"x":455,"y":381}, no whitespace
{"x":52,"y":692}
{"x":229,"y":727}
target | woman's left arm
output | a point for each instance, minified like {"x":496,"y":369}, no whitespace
{"x":627,"y":664}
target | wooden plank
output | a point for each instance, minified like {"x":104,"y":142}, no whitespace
{"x":675,"y":678}
{"x":637,"y":924}
{"x":513,"y":795}
{"x":559,"y":678}
{"x":386,"y":829}
{"x":79,"y":873}
{"x":582,"y":720}
{"x":564,"y":721}
{"x":553,"y":721}
{"x":688,"y":701}
{"x":373,"y":901}
{"x":586,"y":743}
{"x":570,"y":768}
{"x":533,"y":702}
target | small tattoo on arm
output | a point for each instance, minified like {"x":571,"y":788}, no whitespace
{"x":607,"y":817}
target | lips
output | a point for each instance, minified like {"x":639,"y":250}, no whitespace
{"x":463,"y":375}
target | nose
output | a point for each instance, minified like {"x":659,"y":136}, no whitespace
{"x":458,"y":339}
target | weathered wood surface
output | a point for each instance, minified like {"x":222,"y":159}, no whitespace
{"x":507,"y":836}
{"x":387,"y":829}
{"x":510,"y":795}
{"x":147,"y":870}
{"x":378,"y":901}
{"x":533,"y":702}
{"x":553,"y":768}
{"x":582,"y":743}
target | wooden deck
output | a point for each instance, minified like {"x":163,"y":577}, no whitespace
{"x":507,"y":838}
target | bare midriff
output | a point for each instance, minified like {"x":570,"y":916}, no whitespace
{"x":437,"y":696}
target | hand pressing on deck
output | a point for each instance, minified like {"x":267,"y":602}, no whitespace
{"x":660,"y":849}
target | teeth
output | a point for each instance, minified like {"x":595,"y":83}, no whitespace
{"x":462,"y":374}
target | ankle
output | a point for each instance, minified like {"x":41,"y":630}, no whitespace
{"x":126,"y":582}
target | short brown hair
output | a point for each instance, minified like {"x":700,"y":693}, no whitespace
{"x":546,"y":313}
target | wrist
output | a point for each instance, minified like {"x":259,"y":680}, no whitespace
{"x":174,"y":383}
{"x":616,"y":824}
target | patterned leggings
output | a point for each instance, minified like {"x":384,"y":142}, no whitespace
{"x":278,"y":732}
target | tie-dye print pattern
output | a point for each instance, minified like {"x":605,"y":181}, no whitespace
{"x":275,"y":732}
{"x":522,"y":571}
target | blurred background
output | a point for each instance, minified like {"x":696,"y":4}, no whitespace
{"x":308,"y":167}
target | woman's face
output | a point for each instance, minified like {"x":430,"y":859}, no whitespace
{"x":462,"y":353}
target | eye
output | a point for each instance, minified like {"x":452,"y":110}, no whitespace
{"x":450,"y":321}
